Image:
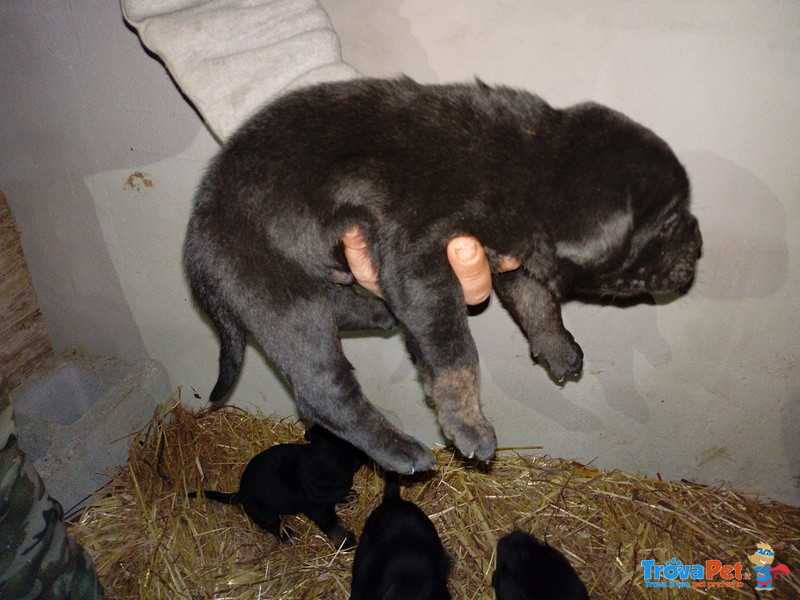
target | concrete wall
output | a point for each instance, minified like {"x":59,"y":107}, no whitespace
{"x":101,"y":155}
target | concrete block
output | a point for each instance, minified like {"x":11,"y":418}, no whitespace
{"x":75,"y":419}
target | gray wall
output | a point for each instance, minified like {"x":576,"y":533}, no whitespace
{"x":101,"y":155}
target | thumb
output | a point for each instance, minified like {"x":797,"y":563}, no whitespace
{"x":358,"y":256}
{"x":469,"y":263}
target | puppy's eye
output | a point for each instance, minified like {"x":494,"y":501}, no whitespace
{"x":669,"y":223}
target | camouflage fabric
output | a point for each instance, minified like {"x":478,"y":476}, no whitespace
{"x":37,"y":559}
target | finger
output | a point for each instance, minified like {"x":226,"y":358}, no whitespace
{"x":469,"y":263}
{"x":356,"y":251}
{"x":508,"y":263}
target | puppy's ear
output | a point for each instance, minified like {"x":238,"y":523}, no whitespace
{"x":317,"y":433}
{"x":604,"y":242}
{"x":636,"y":188}
{"x":482,"y":86}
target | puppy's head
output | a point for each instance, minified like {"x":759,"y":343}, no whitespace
{"x":624,"y":198}
{"x":528,"y":568}
{"x":664,"y":250}
{"x":334,"y":447}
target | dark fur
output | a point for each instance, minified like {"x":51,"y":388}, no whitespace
{"x":530,"y":570}
{"x":589,"y":201}
{"x":290,"y":479}
{"x":400,"y":556}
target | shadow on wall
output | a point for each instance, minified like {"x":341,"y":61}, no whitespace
{"x":393,"y":51}
{"x":790,"y":426}
{"x":745,"y":253}
{"x":745,"y":256}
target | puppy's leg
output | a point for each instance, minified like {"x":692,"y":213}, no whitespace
{"x":355,"y":312}
{"x":426,"y":298}
{"x":332,"y":526}
{"x":538,"y":314}
{"x":302,"y":339}
{"x":426,"y":378}
{"x":266,"y":519}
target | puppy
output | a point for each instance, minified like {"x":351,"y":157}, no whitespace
{"x":298,"y":478}
{"x":587,"y":200}
{"x":530,"y":570}
{"x":400,"y":555}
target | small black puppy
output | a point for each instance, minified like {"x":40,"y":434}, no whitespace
{"x":289,"y":479}
{"x":530,"y":570}
{"x":400,"y":556}
{"x":587,"y":200}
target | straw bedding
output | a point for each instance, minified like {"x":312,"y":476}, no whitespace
{"x":150,"y":541}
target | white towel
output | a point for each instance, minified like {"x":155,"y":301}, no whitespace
{"x":230,"y":57}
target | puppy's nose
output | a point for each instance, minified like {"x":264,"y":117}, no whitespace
{"x":684,"y":289}
{"x":699,"y":237}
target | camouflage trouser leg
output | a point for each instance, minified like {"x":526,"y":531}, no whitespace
{"x":37,"y":559}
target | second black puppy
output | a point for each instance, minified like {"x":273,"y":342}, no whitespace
{"x":530,"y":570}
{"x":400,"y":556}
{"x":291,"y":479}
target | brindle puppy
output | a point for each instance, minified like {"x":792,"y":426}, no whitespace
{"x":585,"y":198}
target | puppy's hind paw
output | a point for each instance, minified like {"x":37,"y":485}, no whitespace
{"x":563,"y":356}
{"x":285,"y":539}
{"x":349,"y":542}
{"x":473,"y":441}
{"x":343,"y":539}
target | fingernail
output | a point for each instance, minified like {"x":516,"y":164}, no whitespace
{"x":467,"y":251}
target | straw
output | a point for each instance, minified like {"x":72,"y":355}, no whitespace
{"x":150,"y":541}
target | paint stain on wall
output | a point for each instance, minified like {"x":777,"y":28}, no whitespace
{"x":714,"y":453}
{"x":138,"y":180}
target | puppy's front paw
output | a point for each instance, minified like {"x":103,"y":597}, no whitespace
{"x":404,"y":455}
{"x":286,"y":535}
{"x":343,"y":539}
{"x":562,"y":354}
{"x":474,"y":438}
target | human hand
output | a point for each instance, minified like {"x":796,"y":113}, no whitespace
{"x":465,"y":254}
{"x":360,"y":261}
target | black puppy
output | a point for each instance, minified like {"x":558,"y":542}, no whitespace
{"x":530,"y":570}
{"x":400,"y":555}
{"x":587,"y":200}
{"x":289,"y":479}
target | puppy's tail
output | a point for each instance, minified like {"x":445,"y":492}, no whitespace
{"x":231,"y":354}
{"x":224,"y":497}
{"x":391,"y":490}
